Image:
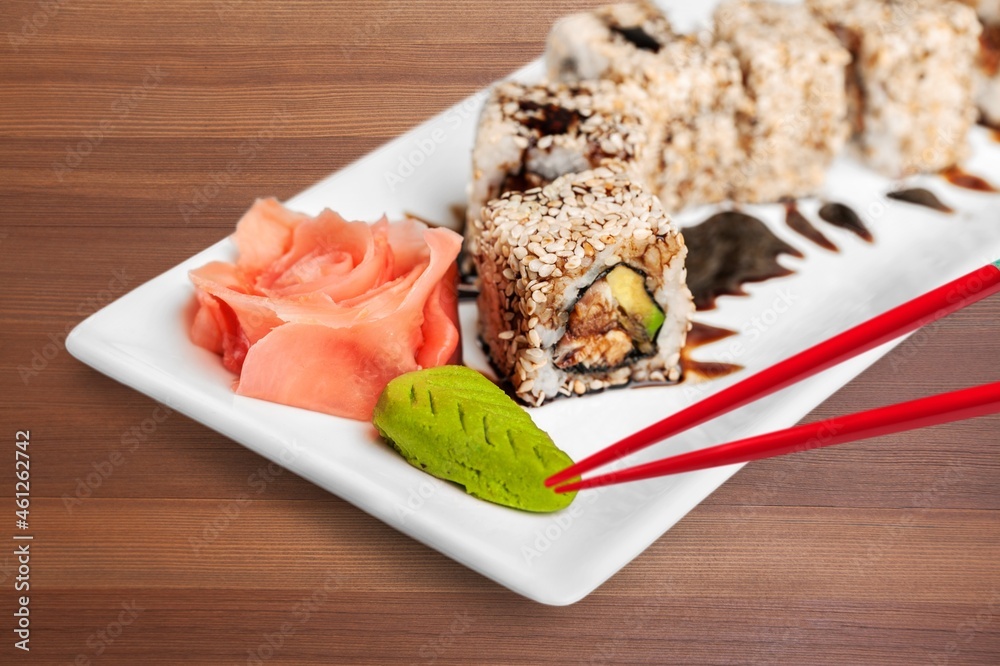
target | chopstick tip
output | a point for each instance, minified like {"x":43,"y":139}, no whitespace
{"x":560,"y":477}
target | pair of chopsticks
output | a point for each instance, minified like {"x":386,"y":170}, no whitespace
{"x":949,"y":407}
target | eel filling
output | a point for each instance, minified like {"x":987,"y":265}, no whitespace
{"x":614,"y":320}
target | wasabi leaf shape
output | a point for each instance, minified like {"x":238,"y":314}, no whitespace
{"x":455,"y":424}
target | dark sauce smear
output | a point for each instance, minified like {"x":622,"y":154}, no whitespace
{"x":699,"y":336}
{"x":918,"y":196}
{"x":639,"y":38}
{"x":798,"y":223}
{"x":703,"y":334}
{"x":708,"y":369}
{"x":702,"y":370}
{"x":960,"y":178}
{"x":995,"y":135}
{"x":843,"y":216}
{"x":728,"y":250}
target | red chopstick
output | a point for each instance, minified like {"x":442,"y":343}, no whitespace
{"x":908,"y":317}
{"x":965,"y":404}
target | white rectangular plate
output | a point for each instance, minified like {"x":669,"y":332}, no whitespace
{"x":141,"y":340}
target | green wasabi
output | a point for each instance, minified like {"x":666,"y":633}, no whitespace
{"x":455,"y":424}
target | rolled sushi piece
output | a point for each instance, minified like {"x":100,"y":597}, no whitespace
{"x":911,"y":85}
{"x":703,"y":155}
{"x":794,"y":72}
{"x":529,"y":135}
{"x":583,"y":286}
{"x":694,"y":84}
{"x":618,"y":42}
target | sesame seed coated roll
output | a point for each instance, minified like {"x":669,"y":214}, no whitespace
{"x":582,"y":286}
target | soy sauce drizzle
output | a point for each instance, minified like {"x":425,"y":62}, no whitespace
{"x":798,"y":223}
{"x":708,"y":369}
{"x":919,"y":196}
{"x":843,"y":216}
{"x":960,"y":178}
{"x":700,"y":335}
{"x":729,"y":250}
{"x":703,"y":334}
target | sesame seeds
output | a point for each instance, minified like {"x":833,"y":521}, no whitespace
{"x":540,"y":248}
{"x":694,"y":86}
{"x":786,"y":54}
{"x":529,"y":133}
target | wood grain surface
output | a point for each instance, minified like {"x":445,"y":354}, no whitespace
{"x":115,"y":114}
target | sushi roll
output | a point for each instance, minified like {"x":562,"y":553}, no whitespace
{"x":793,"y":71}
{"x":911,"y":84}
{"x":695,"y":86}
{"x":703,"y":154}
{"x":583,"y":286}
{"x":529,"y":135}
{"x":618,"y":42}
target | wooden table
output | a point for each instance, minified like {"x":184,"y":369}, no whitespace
{"x":158,"y":541}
